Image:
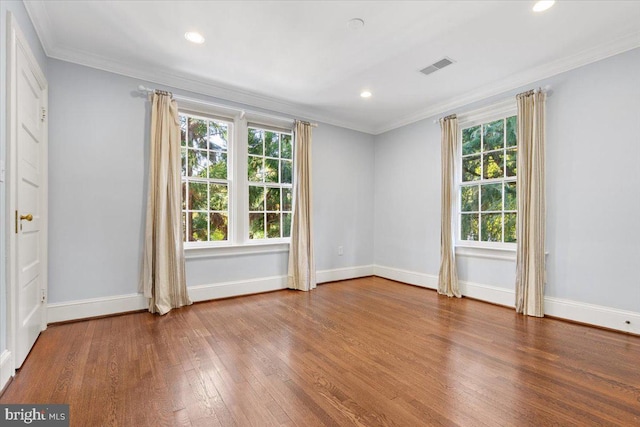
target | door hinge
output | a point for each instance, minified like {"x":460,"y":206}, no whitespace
{"x":16,"y":222}
{"x":44,"y":114}
{"x":43,"y":295}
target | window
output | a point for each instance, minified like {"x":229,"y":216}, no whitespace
{"x":269,"y":174}
{"x":487,"y":182}
{"x":205,"y":178}
{"x":236,"y":180}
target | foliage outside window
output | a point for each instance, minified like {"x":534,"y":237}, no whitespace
{"x":269,"y":173}
{"x":487,"y":191}
{"x":205,"y":178}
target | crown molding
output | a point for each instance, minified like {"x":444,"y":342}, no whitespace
{"x":42,"y":23}
{"x":40,"y":18}
{"x":202,"y":86}
{"x":517,"y":80}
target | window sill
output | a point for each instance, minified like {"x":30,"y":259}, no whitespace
{"x":505,"y":254}
{"x":257,"y":248}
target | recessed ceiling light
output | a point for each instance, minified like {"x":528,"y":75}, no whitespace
{"x":543,"y":5}
{"x":365,"y":94}
{"x":355,"y":24}
{"x":194,"y":37}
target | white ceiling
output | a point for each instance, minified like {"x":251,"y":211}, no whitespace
{"x":301,"y":58}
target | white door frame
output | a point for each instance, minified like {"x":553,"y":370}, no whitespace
{"x":16,"y":38}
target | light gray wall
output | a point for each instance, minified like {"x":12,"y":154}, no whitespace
{"x":22,"y":18}
{"x":97,"y":178}
{"x":343,"y":178}
{"x":593,"y":190}
{"x":97,"y":174}
{"x":593,"y":196}
{"x":407,"y":198}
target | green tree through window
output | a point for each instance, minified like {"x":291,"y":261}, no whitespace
{"x":487,"y":192}
{"x":205,"y":180}
{"x":270,"y":176}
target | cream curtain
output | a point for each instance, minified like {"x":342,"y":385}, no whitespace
{"x":163,"y":274}
{"x":302,"y":269}
{"x":447,"y":277}
{"x":530,"y":261}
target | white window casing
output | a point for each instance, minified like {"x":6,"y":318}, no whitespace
{"x":238,"y":241}
{"x":478,"y":248}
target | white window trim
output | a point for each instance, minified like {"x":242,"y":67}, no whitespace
{"x":472,"y":251}
{"x":239,"y":242}
{"x":490,"y":250}
{"x":261,"y":248}
{"x":505,"y":108}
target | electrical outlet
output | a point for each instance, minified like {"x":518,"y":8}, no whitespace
{"x":340,"y":250}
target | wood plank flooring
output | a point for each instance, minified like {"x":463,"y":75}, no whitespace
{"x":363,"y":352}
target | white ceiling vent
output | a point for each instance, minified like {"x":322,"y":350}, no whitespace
{"x":436,"y":66}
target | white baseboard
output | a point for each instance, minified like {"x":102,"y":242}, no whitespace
{"x":324,"y":276}
{"x":492,"y":294}
{"x":237,"y":288}
{"x":6,"y":368}
{"x":591,"y":314}
{"x":82,"y":309}
{"x":406,"y":276}
{"x":566,"y":309}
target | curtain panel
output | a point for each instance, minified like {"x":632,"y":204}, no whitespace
{"x":302,"y":269}
{"x":447,"y":277}
{"x":531,"y":225}
{"x":163,"y":277}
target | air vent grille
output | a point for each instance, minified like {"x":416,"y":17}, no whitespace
{"x":430,"y":69}
{"x":438,"y":65}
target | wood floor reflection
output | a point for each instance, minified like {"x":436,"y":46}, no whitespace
{"x":361,"y":352}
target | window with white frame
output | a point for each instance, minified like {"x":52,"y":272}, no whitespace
{"x":269,"y":175}
{"x":487,"y":203}
{"x":236,"y":178}
{"x":205,"y":178}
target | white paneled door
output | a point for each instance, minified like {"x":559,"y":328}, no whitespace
{"x":28,"y":188}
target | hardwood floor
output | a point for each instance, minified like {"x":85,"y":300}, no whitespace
{"x":362,"y":352}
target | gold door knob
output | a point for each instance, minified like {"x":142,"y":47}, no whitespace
{"x":28,"y":217}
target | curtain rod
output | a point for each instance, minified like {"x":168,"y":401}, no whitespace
{"x":241,"y":111}
{"x":546,"y":89}
{"x":313,"y":125}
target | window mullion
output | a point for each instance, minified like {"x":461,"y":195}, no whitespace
{"x":186,"y":211}
{"x":208,"y":204}
{"x":503,"y":186}
{"x":479,"y":212}
{"x":504,"y":168}
{"x":241,"y":215}
{"x":264,"y":185}
{"x":480,"y":184}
